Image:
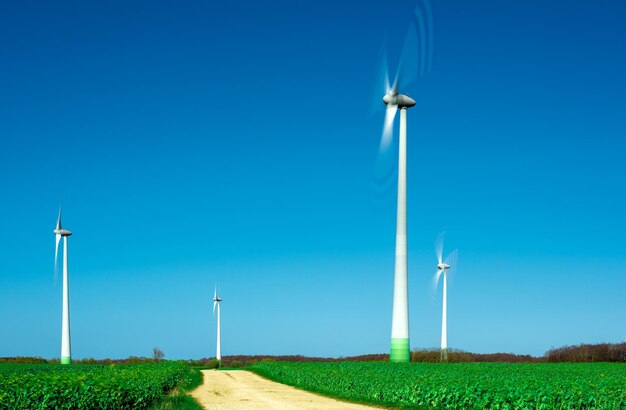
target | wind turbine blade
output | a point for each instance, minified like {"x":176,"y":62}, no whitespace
{"x":390,"y":115}
{"x":385,"y":166}
{"x":408,"y":65}
{"x":439,"y":246}
{"x":395,"y":86}
{"x":451,"y":260}
{"x":214,"y":299}
{"x":380,"y":82}
{"x":56,"y":257}
{"x":434,"y":282}
{"x":429,"y":19}
{"x":386,"y":75}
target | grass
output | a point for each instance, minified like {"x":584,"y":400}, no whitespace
{"x":88,"y":386}
{"x":179,"y":399}
{"x":540,"y":386}
{"x":152,"y":386}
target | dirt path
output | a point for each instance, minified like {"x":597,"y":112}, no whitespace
{"x":240,"y":389}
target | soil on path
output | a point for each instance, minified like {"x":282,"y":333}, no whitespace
{"x":240,"y":389}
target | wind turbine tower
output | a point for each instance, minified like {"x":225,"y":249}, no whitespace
{"x":445,"y":268}
{"x":414,"y":60}
{"x":216,"y":303}
{"x":66,"y":354}
{"x":400,"y":347}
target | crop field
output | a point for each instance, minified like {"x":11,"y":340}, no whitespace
{"x":460,"y":385}
{"x":49,"y":386}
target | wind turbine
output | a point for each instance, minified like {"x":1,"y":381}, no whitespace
{"x":216,"y":302}
{"x":66,"y":354}
{"x":445,"y":268}
{"x":400,"y":346}
{"x":415,"y":60}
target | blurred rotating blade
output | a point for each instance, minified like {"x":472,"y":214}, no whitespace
{"x":386,"y":138}
{"x":434,"y":282}
{"x":380,"y":82}
{"x":385,"y":169}
{"x":408,"y":68}
{"x":451,"y":260}
{"x":56,"y":257}
{"x":439,"y":246}
{"x":58,"y":239}
{"x":214,"y":300}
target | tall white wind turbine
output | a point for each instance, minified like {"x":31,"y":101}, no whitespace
{"x":400,"y":346}
{"x":216,"y":303}
{"x":445,"y":268}
{"x":415,"y":60}
{"x":66,"y":354}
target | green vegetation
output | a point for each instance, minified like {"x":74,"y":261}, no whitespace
{"x":460,"y":385}
{"x":204,"y":363}
{"x":45,"y":386}
{"x":178,"y":399}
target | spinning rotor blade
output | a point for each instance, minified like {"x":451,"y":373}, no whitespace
{"x":56,"y":257}
{"x":434,"y":282}
{"x":59,"y":219}
{"x":439,"y":246}
{"x":58,"y":239}
{"x":386,"y":138}
{"x":380,"y":82}
{"x":451,"y":260}
{"x":408,"y":68}
{"x":214,"y":301}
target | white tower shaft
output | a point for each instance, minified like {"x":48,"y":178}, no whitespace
{"x":400,"y":321}
{"x":66,"y":356}
{"x":444,"y":319}
{"x":218,"y":353}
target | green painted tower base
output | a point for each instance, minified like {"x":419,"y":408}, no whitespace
{"x":66,"y":360}
{"x":400,"y":352}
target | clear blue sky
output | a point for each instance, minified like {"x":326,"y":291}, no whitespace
{"x":198,"y":143}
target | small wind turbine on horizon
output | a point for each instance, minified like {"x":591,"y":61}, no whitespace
{"x":445,"y":268}
{"x":216,"y":303}
{"x":66,"y":354}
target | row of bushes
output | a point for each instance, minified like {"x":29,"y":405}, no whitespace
{"x":40,"y":360}
{"x":459,"y":356}
{"x":603,"y":352}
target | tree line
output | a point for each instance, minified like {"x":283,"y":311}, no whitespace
{"x":601,"y":352}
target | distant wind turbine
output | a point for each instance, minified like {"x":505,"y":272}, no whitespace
{"x":445,"y":268}
{"x":66,"y":355}
{"x":216,"y":303}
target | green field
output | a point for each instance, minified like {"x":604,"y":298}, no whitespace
{"x":127,"y":386}
{"x":460,"y":385}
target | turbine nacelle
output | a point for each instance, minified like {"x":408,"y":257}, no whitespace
{"x":62,"y":232}
{"x":443,"y":266}
{"x":217,"y":299}
{"x":399,"y":100}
